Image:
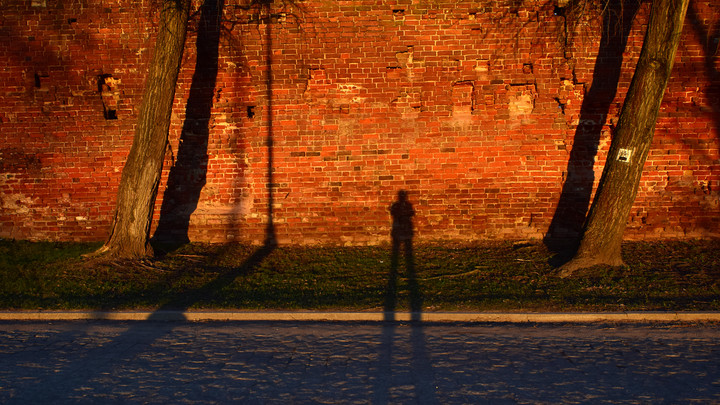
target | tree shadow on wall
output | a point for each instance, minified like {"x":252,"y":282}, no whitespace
{"x":711,"y":47}
{"x":568,"y":220}
{"x":188,"y":175}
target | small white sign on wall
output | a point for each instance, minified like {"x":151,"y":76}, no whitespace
{"x":624,"y":155}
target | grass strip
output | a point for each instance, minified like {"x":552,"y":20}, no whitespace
{"x":486,"y":276}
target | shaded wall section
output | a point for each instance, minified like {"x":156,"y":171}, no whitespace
{"x":473,"y":107}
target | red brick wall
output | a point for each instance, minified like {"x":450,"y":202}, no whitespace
{"x":490,"y":114}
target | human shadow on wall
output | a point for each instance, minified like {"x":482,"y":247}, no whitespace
{"x":188,"y":175}
{"x":569,"y":218}
{"x":402,"y":233}
{"x":421,"y":371}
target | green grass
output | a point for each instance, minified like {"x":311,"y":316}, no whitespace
{"x":489,"y":276}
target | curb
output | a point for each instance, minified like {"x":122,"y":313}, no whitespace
{"x":316,"y":316}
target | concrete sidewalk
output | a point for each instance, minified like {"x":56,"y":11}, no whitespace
{"x":341,"y":316}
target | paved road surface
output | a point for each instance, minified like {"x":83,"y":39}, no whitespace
{"x":310,"y":363}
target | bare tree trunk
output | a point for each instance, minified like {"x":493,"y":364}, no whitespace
{"x":605,"y":225}
{"x":129,"y":235}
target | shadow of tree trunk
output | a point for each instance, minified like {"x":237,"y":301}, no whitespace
{"x":187,"y":299}
{"x":569,"y":217}
{"x":711,"y":46}
{"x":141,"y":336}
{"x":188,"y":175}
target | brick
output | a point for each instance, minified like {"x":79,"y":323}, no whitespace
{"x":475,"y":119}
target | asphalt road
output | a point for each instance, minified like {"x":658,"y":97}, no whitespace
{"x":397,"y":363}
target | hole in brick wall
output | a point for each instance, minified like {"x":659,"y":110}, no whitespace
{"x":108,"y":95}
{"x":103,"y":82}
{"x":463,"y":98}
{"x":393,"y":72}
{"x":110,"y":114}
{"x":559,"y":11}
{"x":398,"y":12}
{"x":250,"y":111}
{"x":39,"y":76}
{"x":72,"y":21}
{"x":527,"y":68}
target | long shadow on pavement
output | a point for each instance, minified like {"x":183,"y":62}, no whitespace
{"x":420,"y":365}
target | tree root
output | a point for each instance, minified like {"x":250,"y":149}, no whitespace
{"x":97,"y":253}
{"x":467,"y":273}
{"x":113,"y":253}
{"x":584,"y":262}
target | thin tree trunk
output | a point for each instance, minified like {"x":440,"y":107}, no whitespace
{"x":129,"y":235}
{"x":605,"y":225}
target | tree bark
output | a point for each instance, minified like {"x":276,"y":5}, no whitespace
{"x":130,"y":231}
{"x":606,"y":222}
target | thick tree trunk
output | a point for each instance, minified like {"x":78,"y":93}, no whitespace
{"x":129,"y":235}
{"x":605,"y":225}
